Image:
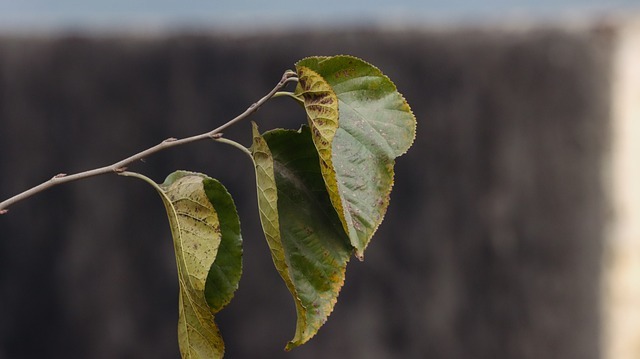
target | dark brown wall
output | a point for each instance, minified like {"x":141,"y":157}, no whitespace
{"x":490,"y":249}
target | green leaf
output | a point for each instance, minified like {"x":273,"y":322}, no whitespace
{"x":374,"y":126}
{"x":308,"y":245}
{"x":208,"y":247}
{"x":224,"y":275}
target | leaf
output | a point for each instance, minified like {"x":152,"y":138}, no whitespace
{"x":308,"y":245}
{"x":224,"y":274}
{"x":208,"y":247}
{"x":374,"y":126}
{"x":321,"y":105}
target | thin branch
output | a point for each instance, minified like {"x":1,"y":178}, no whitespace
{"x":121,"y":166}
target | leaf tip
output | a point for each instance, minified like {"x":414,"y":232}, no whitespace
{"x":254,"y":129}
{"x":296,"y":342}
{"x":289,"y":346}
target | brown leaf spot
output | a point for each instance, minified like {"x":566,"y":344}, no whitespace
{"x":348,"y":72}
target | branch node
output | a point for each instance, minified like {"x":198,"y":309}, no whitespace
{"x":288,"y":74}
{"x":119,"y":169}
{"x":215,"y":136}
{"x":170,"y":139}
{"x":3,"y":211}
{"x":59,"y":175}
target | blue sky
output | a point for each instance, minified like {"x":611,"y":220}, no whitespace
{"x":30,"y":14}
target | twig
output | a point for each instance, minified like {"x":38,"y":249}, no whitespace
{"x":121,"y":166}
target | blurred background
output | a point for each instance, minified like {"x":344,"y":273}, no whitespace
{"x":512,"y":230}
{"x":260,"y":14}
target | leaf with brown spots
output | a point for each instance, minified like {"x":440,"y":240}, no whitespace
{"x":373,"y":126}
{"x":308,"y":245}
{"x":208,"y":247}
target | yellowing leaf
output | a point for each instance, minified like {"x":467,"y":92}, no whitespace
{"x":206,"y":237}
{"x":374,"y":126}
{"x":308,"y":245}
{"x":321,"y":105}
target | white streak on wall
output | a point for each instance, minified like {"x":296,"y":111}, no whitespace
{"x":621,"y":297}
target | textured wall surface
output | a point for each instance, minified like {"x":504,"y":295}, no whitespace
{"x":491,"y":247}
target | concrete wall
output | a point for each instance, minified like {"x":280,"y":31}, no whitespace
{"x":491,"y":247}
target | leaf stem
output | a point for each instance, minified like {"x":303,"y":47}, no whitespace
{"x":236,"y":145}
{"x":139,"y":176}
{"x":120,"y":166}
{"x":288,"y":94}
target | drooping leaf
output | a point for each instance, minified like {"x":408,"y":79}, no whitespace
{"x":308,"y":245}
{"x":374,"y":126}
{"x":208,"y":247}
{"x":224,"y":274}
